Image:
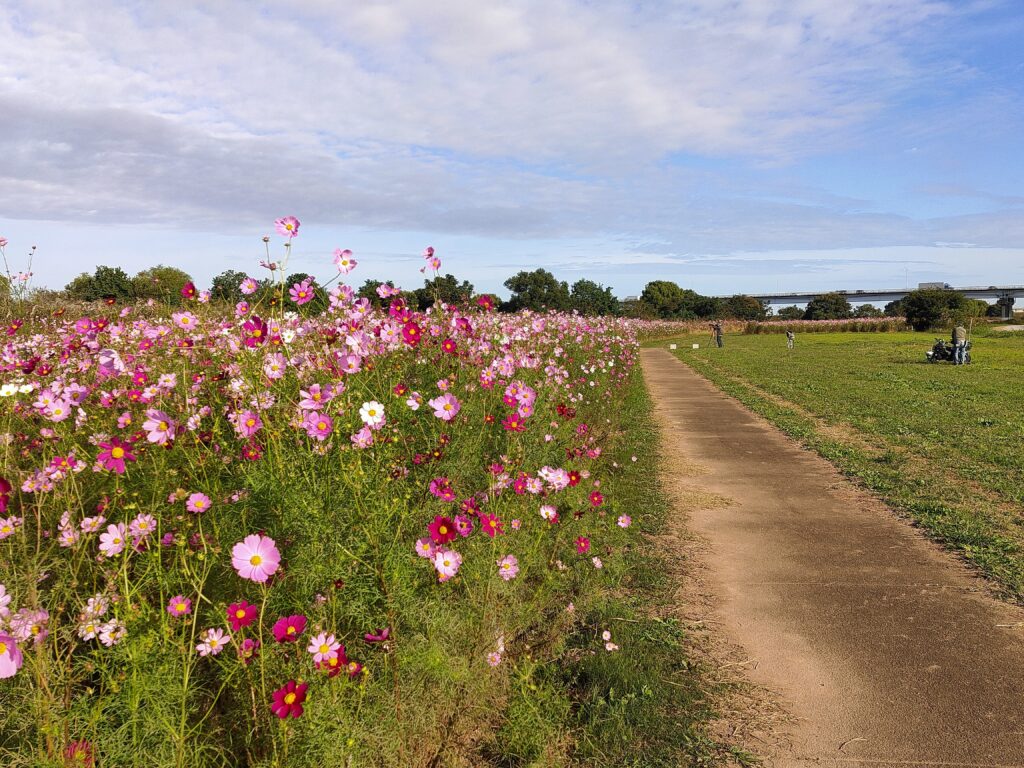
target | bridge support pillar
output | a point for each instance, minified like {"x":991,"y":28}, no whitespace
{"x":1005,"y":303}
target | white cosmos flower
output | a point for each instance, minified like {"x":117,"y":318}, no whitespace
{"x":372,"y":413}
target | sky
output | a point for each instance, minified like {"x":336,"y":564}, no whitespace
{"x":727,"y":145}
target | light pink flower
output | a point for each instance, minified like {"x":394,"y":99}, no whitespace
{"x":10,"y":657}
{"x":287,"y":226}
{"x":447,"y":562}
{"x":508,"y":567}
{"x":318,"y":425}
{"x":249,"y":286}
{"x":214,"y":641}
{"x":158,"y":426}
{"x":198,"y":503}
{"x":324,"y":647}
{"x":445,"y":407}
{"x":112,"y":541}
{"x":343,"y":260}
{"x":256,"y":558}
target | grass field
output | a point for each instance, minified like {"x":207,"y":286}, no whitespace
{"x":941,"y":444}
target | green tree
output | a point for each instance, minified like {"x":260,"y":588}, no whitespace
{"x":112,"y":281}
{"x":160,"y":282}
{"x":790,"y":313}
{"x":664,"y":298}
{"x":82,"y":288}
{"x":446,"y":289}
{"x":537,"y":290}
{"x":894,"y":309}
{"x":743,"y":307}
{"x":868,"y":310}
{"x":227,"y":286}
{"x":589,"y":298}
{"x":929,"y":307}
{"x":829,"y":306}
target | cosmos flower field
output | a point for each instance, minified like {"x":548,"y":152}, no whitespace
{"x":246,"y":535}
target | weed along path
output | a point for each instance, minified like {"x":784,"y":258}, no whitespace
{"x":884,"y":649}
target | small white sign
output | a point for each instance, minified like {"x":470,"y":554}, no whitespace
{"x":671,"y":346}
{"x":696,"y":346}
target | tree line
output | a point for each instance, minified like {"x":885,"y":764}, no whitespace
{"x":540,"y":290}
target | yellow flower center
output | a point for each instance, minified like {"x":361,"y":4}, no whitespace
{"x":240,"y":614}
{"x":291,"y":630}
{"x":200,"y":504}
{"x":324,"y":648}
{"x":257,"y":332}
{"x":180,"y":607}
{"x":250,"y":422}
{"x":162,"y":426}
{"x":321,"y":425}
{"x":443,"y":530}
{"x":255,"y":560}
{"x":117,"y":452}
{"x":289,"y":698}
{"x":3,"y":648}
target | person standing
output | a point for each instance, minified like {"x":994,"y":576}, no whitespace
{"x":790,"y":339}
{"x":716,"y":331}
{"x":959,"y":344}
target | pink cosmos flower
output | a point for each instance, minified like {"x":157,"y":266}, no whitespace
{"x":314,"y":397}
{"x":213,"y":641}
{"x":142,"y":527}
{"x":363,"y":438}
{"x":343,"y":260}
{"x":274,"y":366}
{"x":288,"y":628}
{"x":445,"y":407}
{"x":249,"y":286}
{"x":302,"y":293}
{"x":10,"y":657}
{"x":112,"y":542}
{"x":464,"y":525}
{"x":185,"y":320}
{"x":179,"y":605}
{"x":447,"y":562}
{"x":241,"y":614}
{"x":491,"y":525}
{"x":426,"y":548}
{"x":256,"y":558}
{"x":323,"y":647}
{"x":287,"y":226}
{"x":198,"y":503}
{"x":493,"y":659}
{"x":625,"y":521}
{"x":508,"y":567}
{"x":114,"y":454}
{"x":288,"y":700}
{"x":248,"y":423}
{"x":318,"y":425}
{"x":159,"y":427}
{"x":582,"y":544}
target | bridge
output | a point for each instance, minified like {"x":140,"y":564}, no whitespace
{"x":1002,"y":295}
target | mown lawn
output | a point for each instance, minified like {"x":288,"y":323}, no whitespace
{"x":941,"y":444}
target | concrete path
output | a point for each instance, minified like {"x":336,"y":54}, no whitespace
{"x":886,"y":650}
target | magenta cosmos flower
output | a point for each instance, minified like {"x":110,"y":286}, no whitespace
{"x":255,"y":331}
{"x":288,"y":700}
{"x":288,"y":628}
{"x":491,"y":525}
{"x":442,"y":530}
{"x":256,"y":558}
{"x":241,"y":614}
{"x":445,"y":407}
{"x":114,"y":455}
{"x":287,"y":226}
{"x":179,"y":605}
